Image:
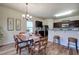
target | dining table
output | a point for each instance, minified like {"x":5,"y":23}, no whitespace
{"x":27,"y":36}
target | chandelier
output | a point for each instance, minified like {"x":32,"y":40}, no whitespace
{"x":26,"y":15}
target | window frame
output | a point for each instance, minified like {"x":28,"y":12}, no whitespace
{"x":29,"y":26}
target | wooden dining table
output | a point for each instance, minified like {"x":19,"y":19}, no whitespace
{"x":26,"y":37}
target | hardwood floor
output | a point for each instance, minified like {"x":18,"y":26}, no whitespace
{"x":52,"y":49}
{"x":55,"y":49}
{"x":10,"y":50}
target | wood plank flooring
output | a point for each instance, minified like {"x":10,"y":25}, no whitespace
{"x":52,"y":49}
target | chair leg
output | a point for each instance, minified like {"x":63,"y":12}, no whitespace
{"x":29,"y":49}
{"x":45,"y":51}
{"x":31,"y":52}
{"x":68,"y":44}
{"x":70,"y":51}
{"x":39,"y":52}
{"x":59,"y":41}
{"x":76,"y":47}
{"x":20,"y":51}
{"x":16,"y":50}
{"x":15,"y":45}
{"x":54,"y":42}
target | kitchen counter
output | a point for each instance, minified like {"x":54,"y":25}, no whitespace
{"x":64,"y":36}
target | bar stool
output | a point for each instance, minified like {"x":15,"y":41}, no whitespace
{"x":56,"y":37}
{"x":73,"y":40}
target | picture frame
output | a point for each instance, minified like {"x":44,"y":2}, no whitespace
{"x":18,"y":24}
{"x":10,"y":24}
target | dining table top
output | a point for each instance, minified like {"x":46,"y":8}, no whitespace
{"x":29,"y":37}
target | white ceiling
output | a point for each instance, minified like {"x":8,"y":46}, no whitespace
{"x":44,"y":10}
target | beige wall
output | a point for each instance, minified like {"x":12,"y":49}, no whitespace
{"x":4,"y":14}
{"x":48,"y":22}
{"x":68,"y":18}
{"x":35,"y":19}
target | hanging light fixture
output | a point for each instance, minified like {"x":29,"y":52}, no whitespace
{"x":26,"y":15}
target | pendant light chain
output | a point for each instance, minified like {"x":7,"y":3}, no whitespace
{"x":28,"y":17}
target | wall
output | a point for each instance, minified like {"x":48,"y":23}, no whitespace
{"x":48,"y":22}
{"x":68,"y":18}
{"x":8,"y":35}
{"x":6,"y":12}
{"x":36,"y":19}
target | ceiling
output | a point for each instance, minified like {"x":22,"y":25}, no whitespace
{"x":45,"y":10}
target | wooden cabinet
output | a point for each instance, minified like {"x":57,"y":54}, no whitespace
{"x":70,"y":24}
{"x":74,"y":23}
{"x":57,"y":25}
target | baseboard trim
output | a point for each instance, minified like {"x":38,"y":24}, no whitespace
{"x":6,"y":44}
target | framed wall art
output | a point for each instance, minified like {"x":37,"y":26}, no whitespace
{"x":10,"y":24}
{"x":18,"y":24}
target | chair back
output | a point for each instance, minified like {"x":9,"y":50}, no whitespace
{"x":40,"y":44}
{"x":56,"y":37}
{"x":72,"y":39}
{"x":15,"y":38}
{"x":43,"y":42}
{"x":35,"y":45}
{"x":21,"y":37}
{"x":22,"y":33}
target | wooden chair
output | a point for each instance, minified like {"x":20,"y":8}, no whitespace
{"x":39,"y":46}
{"x":34,"y":47}
{"x":56,"y":37}
{"x":21,"y":37}
{"x":20,"y":44}
{"x":43,"y":44}
{"x":22,"y":33}
{"x":73,"y":40}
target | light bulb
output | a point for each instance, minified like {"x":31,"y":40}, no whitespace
{"x":23,"y":15}
{"x":30,"y":17}
{"x":27,"y":15}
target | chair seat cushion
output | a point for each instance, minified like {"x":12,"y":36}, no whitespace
{"x":22,"y":44}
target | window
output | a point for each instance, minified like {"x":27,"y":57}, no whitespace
{"x":30,"y":26}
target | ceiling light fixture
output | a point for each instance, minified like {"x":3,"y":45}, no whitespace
{"x":26,"y":15}
{"x":64,"y":13}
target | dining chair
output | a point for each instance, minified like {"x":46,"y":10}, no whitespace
{"x":20,"y":44}
{"x":73,"y":40}
{"x":43,"y":44}
{"x":34,"y":47}
{"x":22,"y":33}
{"x":56,"y":38}
{"x":21,"y":36}
{"x":39,"y":46}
